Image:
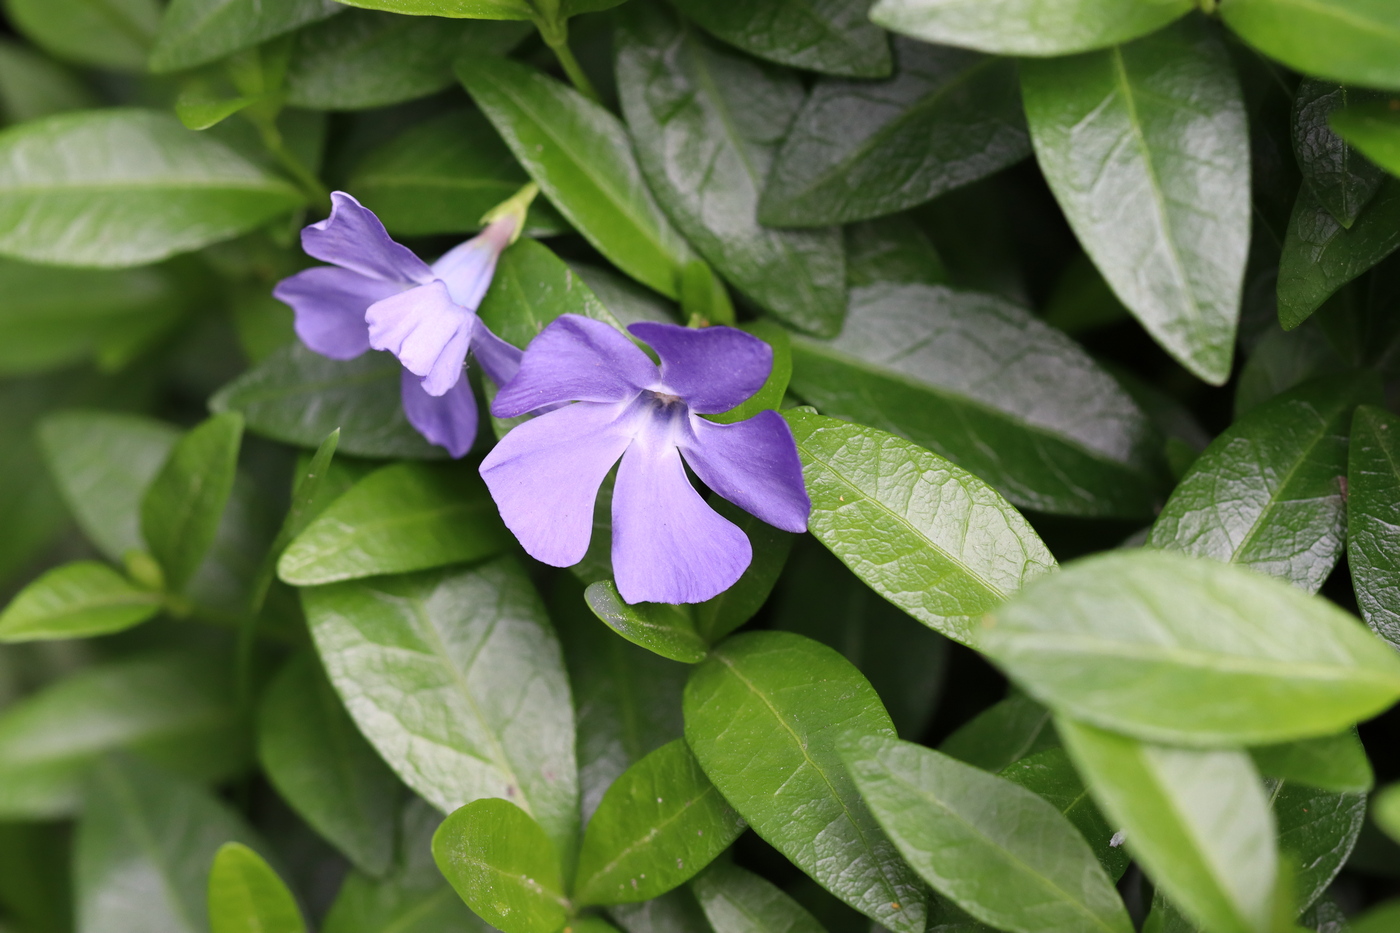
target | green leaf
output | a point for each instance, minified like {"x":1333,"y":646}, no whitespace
{"x":322,"y":481}
{"x":1051,"y":774}
{"x":946,"y":118}
{"x":459,"y":9}
{"x":199,"y":107}
{"x":1282,"y":360}
{"x":892,"y":249}
{"x":707,"y":123}
{"x":662,"y":628}
{"x":661,"y":810}
{"x":455,"y":678}
{"x":298,"y":397}
{"x":1198,"y":821}
{"x":964,"y":375}
{"x":1154,"y":131}
{"x":1371,"y":126}
{"x":114,"y":34}
{"x":196,"y":32}
{"x":1001,"y":852}
{"x":765,"y":715}
{"x":125,"y":187}
{"x":951,"y":548}
{"x":676,"y":912}
{"x":181,"y":510}
{"x":531,"y":288}
{"x":1352,"y":41}
{"x":1002,"y":734}
{"x":582,"y":159}
{"x":1320,"y":255}
{"x":32,"y":85}
{"x":405,"y":516}
{"x":246,"y":896}
{"x":1268,"y":493}
{"x":76,"y":600}
{"x":830,"y":36}
{"x":1341,"y":178}
{"x":1316,"y":831}
{"x":143,"y":850}
{"x":1373,"y":517}
{"x":1335,"y":763}
{"x":35,"y":885}
{"x":1027,"y":27}
{"x":324,"y":769}
{"x":738,"y":901}
{"x":365,"y":59}
{"x":1382,"y":918}
{"x":502,"y":864}
{"x":1187,"y":650}
{"x":1386,"y":811}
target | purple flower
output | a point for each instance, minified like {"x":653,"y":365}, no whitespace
{"x":668,"y":545}
{"x":379,"y":295}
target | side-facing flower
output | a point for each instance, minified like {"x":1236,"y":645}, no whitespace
{"x":378,"y":295}
{"x":668,"y":545}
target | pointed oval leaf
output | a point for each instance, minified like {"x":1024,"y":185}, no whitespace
{"x":246,"y":896}
{"x":1342,"y":178}
{"x":1373,"y":519}
{"x":77,"y":600}
{"x":830,"y":36}
{"x":1187,"y":650}
{"x":196,"y":32}
{"x":738,"y":901}
{"x":1051,"y":774}
{"x":1336,"y":763}
{"x":114,"y":34}
{"x":1352,"y":41}
{"x":765,"y":716}
{"x":659,"y":627}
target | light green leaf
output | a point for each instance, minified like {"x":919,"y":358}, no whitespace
{"x":114,"y":34}
{"x":1002,"y":734}
{"x":1342,"y":178}
{"x":199,"y":107}
{"x":1051,"y":774}
{"x":459,"y":9}
{"x":1146,"y":148}
{"x":124,"y":187}
{"x":738,"y":901}
{"x":246,"y":896}
{"x":32,"y":85}
{"x":1335,"y":763}
{"x":1373,"y":518}
{"x":1374,"y":129}
{"x":1352,"y":41}
{"x":830,"y":36}
{"x":1386,"y":810}
{"x":1028,"y":27}
{"x":196,"y":32}
{"x":1187,"y":650}
{"x":765,"y":716}
{"x":582,"y":159}
{"x":662,"y":628}
{"x":76,"y":600}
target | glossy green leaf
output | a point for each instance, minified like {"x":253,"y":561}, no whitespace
{"x":892,"y":249}
{"x":298,"y":397}
{"x":113,"y":34}
{"x":406,"y":516}
{"x":1316,"y":830}
{"x":707,"y":123}
{"x":76,"y":600}
{"x":321,"y":765}
{"x":1006,"y":855}
{"x":1198,"y":821}
{"x":737,"y":901}
{"x":950,"y":548}
{"x":1027,"y":27}
{"x":125,"y":187}
{"x":143,"y":851}
{"x":830,"y":36}
{"x":1352,"y":41}
{"x":503,"y":865}
{"x":1003,"y":734}
{"x":1373,"y":516}
{"x":946,"y":118}
{"x":1146,"y":148}
{"x":1051,"y":774}
{"x":1268,"y":493}
{"x":456,"y":679}
{"x":366,"y":59}
{"x":765,"y":715}
{"x":1335,"y":763}
{"x":531,"y":288}
{"x":964,"y":375}
{"x":32,"y":85}
{"x":1187,"y":650}
{"x":459,"y":9}
{"x":181,"y":510}
{"x":659,"y":627}
{"x":582,"y":159}
{"x":660,"y":811}
{"x":196,"y":32}
{"x":246,"y":896}
{"x":1342,"y":178}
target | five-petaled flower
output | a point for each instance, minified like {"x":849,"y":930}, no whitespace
{"x":379,"y":295}
{"x":668,"y":545}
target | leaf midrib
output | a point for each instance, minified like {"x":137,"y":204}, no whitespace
{"x":651,"y":834}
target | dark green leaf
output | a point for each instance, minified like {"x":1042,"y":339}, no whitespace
{"x":1352,"y":41}
{"x":1003,"y":853}
{"x":1027,"y":27}
{"x":964,"y":375}
{"x":246,"y":896}
{"x":33,"y":85}
{"x":707,"y":123}
{"x":765,"y":716}
{"x":1373,"y":517}
{"x":107,"y":33}
{"x":460,"y":9}
{"x":831,"y":36}
{"x":1146,"y":147}
{"x":1268,"y":493}
{"x":35,"y":884}
{"x":582,"y":159}
{"x":677,"y":912}
{"x":1340,"y":177}
{"x":892,"y":249}
{"x":1003,"y":734}
{"x":722,"y":614}
{"x":1317,"y":829}
{"x":1382,"y":918}
{"x":1282,"y":360}
{"x":298,"y":397}
{"x":947,"y":117}
{"x":738,"y":901}
{"x":455,"y":677}
{"x":662,"y":628}
{"x":1187,"y":650}
{"x":77,"y":600}
{"x":319,"y":763}
{"x":125,"y":187}
{"x":502,"y":864}
{"x":196,"y":32}
{"x":321,"y":482}
{"x":1051,"y":774}
{"x":1333,"y":762}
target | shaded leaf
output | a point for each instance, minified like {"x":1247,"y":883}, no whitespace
{"x":1373,"y":517}
{"x":676,"y":912}
{"x":107,"y":33}
{"x":76,"y":600}
{"x":1027,"y":27}
{"x":722,"y":614}
{"x":196,"y":32}
{"x":892,"y":249}
{"x":1317,"y":829}
{"x":1335,"y":763}
{"x":1003,"y":734}
{"x":1051,"y":774}
{"x":738,"y":901}
{"x":32,"y":85}
{"x":662,"y":628}
{"x":831,"y":36}
{"x":1341,"y":178}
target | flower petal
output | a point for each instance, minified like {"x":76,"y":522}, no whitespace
{"x":427,"y":331}
{"x":545,"y":474}
{"x":468,"y":267}
{"x":712,"y":368}
{"x":353,"y":238}
{"x":754,"y":464}
{"x":498,"y":359}
{"x":668,"y":545}
{"x":447,"y":420}
{"x":330,"y":304}
{"x":575,"y":358}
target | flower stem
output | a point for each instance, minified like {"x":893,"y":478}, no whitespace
{"x":558,"y":40}
{"x":311,"y":186}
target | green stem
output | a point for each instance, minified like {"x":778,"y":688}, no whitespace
{"x":558,"y":40}
{"x":272,"y":141}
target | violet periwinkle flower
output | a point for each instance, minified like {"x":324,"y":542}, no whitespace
{"x":379,"y":295}
{"x":668,"y":545}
